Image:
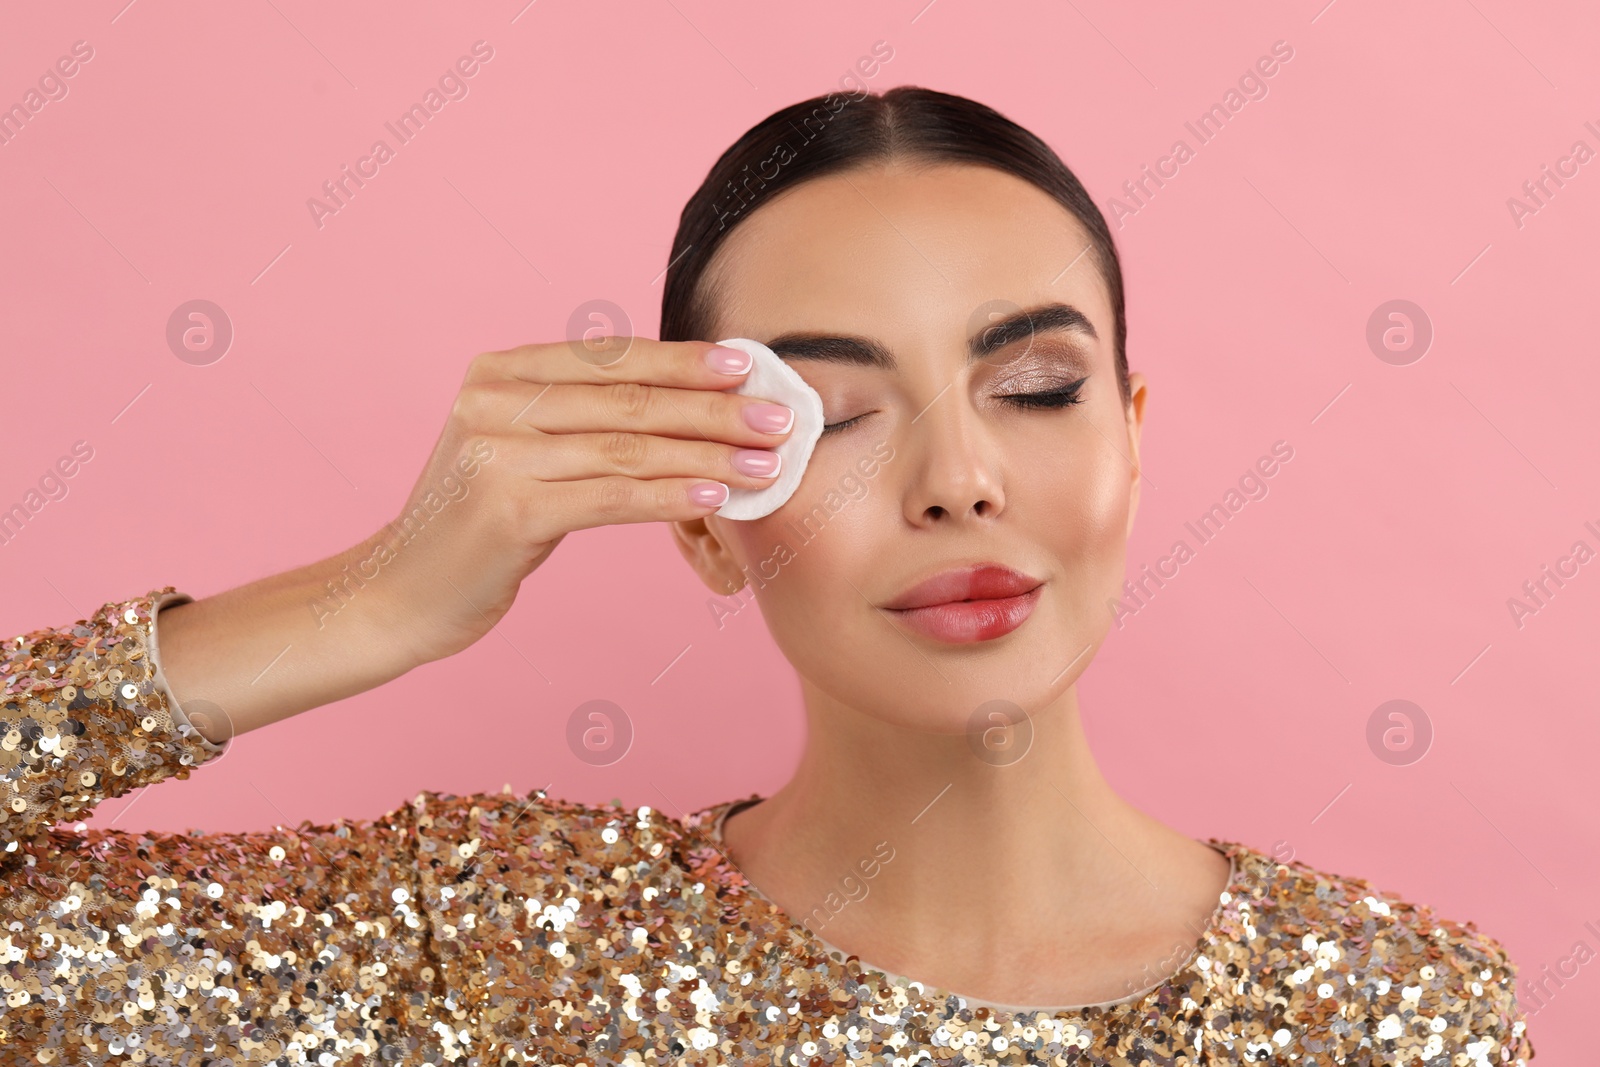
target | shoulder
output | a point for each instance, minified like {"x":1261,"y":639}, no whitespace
{"x":503,"y":876}
{"x":538,"y":818}
{"x":574,"y":844}
{"x":1404,"y":978}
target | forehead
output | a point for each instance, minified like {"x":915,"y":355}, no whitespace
{"x":904,"y":252}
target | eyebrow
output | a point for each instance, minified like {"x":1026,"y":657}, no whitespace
{"x":868,"y":352}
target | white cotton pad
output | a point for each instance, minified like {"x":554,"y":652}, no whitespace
{"x":770,"y":378}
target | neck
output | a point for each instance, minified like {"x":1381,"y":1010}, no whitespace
{"x":887,"y":841}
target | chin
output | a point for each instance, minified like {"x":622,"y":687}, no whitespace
{"x":932,"y":689}
{"x":888,"y":672}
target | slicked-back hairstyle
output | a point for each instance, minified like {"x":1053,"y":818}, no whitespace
{"x":840,"y":131}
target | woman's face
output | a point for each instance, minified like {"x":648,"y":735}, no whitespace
{"x":932,"y":469}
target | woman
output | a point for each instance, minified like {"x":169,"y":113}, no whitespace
{"x":950,"y":291}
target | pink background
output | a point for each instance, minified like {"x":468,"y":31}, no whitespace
{"x":1377,"y":167}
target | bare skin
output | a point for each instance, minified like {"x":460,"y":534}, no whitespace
{"x":576,"y":441}
{"x":1028,"y":883}
{"x":1031,"y":883}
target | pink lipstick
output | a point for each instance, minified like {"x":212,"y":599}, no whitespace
{"x":971,"y":604}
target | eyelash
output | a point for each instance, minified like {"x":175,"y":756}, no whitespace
{"x":1066,"y":396}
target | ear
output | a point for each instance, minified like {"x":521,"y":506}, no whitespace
{"x":1137,"y":391}
{"x":708,"y":554}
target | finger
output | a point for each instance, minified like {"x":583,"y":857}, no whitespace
{"x":689,"y":414}
{"x":590,"y":502}
{"x":566,"y":457}
{"x":679,"y":364}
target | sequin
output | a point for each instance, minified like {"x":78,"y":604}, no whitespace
{"x":505,"y":929}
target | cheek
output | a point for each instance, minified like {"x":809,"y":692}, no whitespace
{"x":833,"y":519}
{"x":1089,"y":497}
{"x":756,"y":545}
{"x":1078,"y":503}
{"x":800,"y":561}
{"x":787,"y":555}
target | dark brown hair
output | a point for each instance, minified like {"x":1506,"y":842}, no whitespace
{"x":840,"y":131}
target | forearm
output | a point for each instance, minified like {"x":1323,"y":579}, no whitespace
{"x":268,"y":650}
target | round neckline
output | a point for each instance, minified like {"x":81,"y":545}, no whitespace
{"x":712,"y":819}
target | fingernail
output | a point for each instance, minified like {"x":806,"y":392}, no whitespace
{"x":709,"y":494}
{"x":769,"y":418}
{"x":727,"y":360}
{"x":757,"y":462}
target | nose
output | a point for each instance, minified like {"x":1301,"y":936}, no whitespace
{"x":955,"y":463}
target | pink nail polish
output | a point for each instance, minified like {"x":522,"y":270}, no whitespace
{"x":757,"y":462}
{"x":709,"y":494}
{"x":769,"y":418}
{"x":728,"y":360}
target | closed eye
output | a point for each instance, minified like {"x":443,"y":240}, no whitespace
{"x":1071,"y":393}
{"x":1065,"y":396}
{"x":832,"y":428}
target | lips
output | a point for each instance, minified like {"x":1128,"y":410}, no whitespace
{"x":986,"y":581}
{"x":968,"y":605}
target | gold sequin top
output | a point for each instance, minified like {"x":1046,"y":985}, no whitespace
{"x":503,"y":929}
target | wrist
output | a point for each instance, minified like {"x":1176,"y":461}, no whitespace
{"x":215,"y":730}
{"x":363,"y":592}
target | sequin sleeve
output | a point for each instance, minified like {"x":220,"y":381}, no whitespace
{"x":290,"y":946}
{"x":1497,"y":1026}
{"x":1432,"y":987}
{"x":85,"y":716}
